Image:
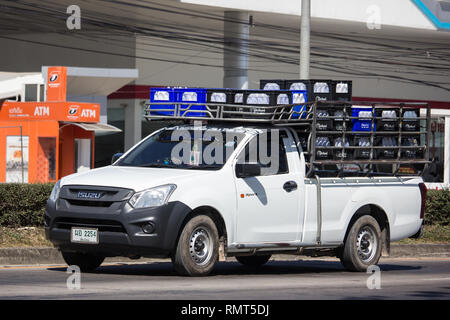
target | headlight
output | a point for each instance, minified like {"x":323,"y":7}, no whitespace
{"x":152,"y":197}
{"x":55,"y":192}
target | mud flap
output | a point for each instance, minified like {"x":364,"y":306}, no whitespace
{"x":222,"y":255}
{"x":386,"y":246}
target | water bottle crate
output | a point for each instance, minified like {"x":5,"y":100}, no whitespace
{"x":343,"y":154}
{"x":387,"y":120}
{"x":365,"y":115}
{"x":342,"y":90}
{"x":409,"y":122}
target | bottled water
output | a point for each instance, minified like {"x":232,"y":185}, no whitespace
{"x":340,"y":142}
{"x":410,"y":114}
{"x":219,"y":97}
{"x":271,"y":86}
{"x":161,"y":96}
{"x":339,"y":114}
{"x":388,"y":114}
{"x":364,"y":142}
{"x":297,"y":86}
{"x":283,"y":99}
{"x":189,"y":96}
{"x":322,"y":113}
{"x":321,"y":87}
{"x":298,"y":98}
{"x":322,"y":142}
{"x":342,"y":87}
{"x":239,"y":98}
{"x":389,"y":142}
{"x":365,"y":114}
{"x":258,"y":98}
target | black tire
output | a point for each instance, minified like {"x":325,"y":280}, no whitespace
{"x":197,"y":248}
{"x":363,"y":245}
{"x":85,"y":261}
{"x":253,"y":261}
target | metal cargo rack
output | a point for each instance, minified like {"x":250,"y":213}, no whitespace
{"x":304,"y":123}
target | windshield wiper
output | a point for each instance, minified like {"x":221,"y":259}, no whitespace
{"x":162,"y":165}
{"x":206,"y":167}
{"x":157,"y":165}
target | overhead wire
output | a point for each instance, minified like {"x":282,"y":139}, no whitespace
{"x":349,"y":54}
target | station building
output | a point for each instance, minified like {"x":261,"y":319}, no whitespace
{"x":391,"y":50}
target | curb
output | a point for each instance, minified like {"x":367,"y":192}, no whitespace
{"x":420,"y":250}
{"x":48,"y":255}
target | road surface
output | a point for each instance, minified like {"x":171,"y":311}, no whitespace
{"x":426,"y":278}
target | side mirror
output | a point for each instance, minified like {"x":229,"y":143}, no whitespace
{"x":247,"y":170}
{"x":115,"y":157}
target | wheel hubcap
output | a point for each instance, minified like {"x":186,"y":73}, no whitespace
{"x":200,"y":246}
{"x":366,"y":243}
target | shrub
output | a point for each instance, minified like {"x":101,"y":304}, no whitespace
{"x":438,"y":207}
{"x":23,"y":204}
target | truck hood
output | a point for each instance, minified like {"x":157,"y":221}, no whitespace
{"x":134,"y":178}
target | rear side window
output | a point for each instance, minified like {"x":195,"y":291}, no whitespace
{"x":269,"y":151}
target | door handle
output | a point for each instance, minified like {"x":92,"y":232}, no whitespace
{"x":289,"y":186}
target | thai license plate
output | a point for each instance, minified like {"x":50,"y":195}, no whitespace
{"x":84,"y":235}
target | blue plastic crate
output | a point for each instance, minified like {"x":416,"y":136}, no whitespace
{"x":160,"y":95}
{"x":194,"y":95}
{"x":365,"y":123}
{"x":300,"y":97}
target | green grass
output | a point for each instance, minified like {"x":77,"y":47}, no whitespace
{"x":35,"y":237}
{"x":23,"y":237}
{"x":431,"y":234}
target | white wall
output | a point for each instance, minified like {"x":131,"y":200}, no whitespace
{"x":173,"y":74}
{"x":401,"y":13}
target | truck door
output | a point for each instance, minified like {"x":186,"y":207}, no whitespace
{"x":268,"y":205}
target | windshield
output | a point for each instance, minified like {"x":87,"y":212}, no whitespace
{"x":183,"y":148}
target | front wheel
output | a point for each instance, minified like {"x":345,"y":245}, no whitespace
{"x":363,"y":245}
{"x":85,"y":261}
{"x":197,"y":248}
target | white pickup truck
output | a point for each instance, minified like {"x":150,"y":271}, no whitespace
{"x":150,"y":203}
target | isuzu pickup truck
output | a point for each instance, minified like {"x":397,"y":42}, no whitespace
{"x":166,"y":198}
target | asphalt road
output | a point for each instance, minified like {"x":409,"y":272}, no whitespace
{"x":307,"y":279}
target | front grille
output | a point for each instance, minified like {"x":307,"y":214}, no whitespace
{"x":100,"y":224}
{"x":90,"y":203}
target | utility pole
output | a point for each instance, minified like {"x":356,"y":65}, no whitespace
{"x":305,"y":39}
{"x":235,"y":49}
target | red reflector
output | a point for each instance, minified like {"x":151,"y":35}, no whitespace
{"x":423,"y":195}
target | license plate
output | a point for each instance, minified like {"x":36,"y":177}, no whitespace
{"x":84,"y":235}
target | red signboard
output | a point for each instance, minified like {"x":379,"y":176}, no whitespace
{"x":60,"y":111}
{"x":56,"y":84}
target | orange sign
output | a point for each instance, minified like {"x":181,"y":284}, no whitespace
{"x":60,"y":111}
{"x":56,"y":84}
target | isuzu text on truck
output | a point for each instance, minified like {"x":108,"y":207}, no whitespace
{"x":250,"y":182}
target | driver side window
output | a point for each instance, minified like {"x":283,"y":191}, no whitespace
{"x":268,"y":150}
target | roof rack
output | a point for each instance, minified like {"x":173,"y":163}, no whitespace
{"x":318,"y":120}
{"x":227,"y":112}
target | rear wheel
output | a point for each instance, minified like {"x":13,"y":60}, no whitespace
{"x":363,"y":245}
{"x":253,"y":261}
{"x":85,"y":261}
{"x":197,"y":248}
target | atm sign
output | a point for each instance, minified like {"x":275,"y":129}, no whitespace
{"x":82,"y":113}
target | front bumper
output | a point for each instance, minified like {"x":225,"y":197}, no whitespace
{"x":119,"y":227}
